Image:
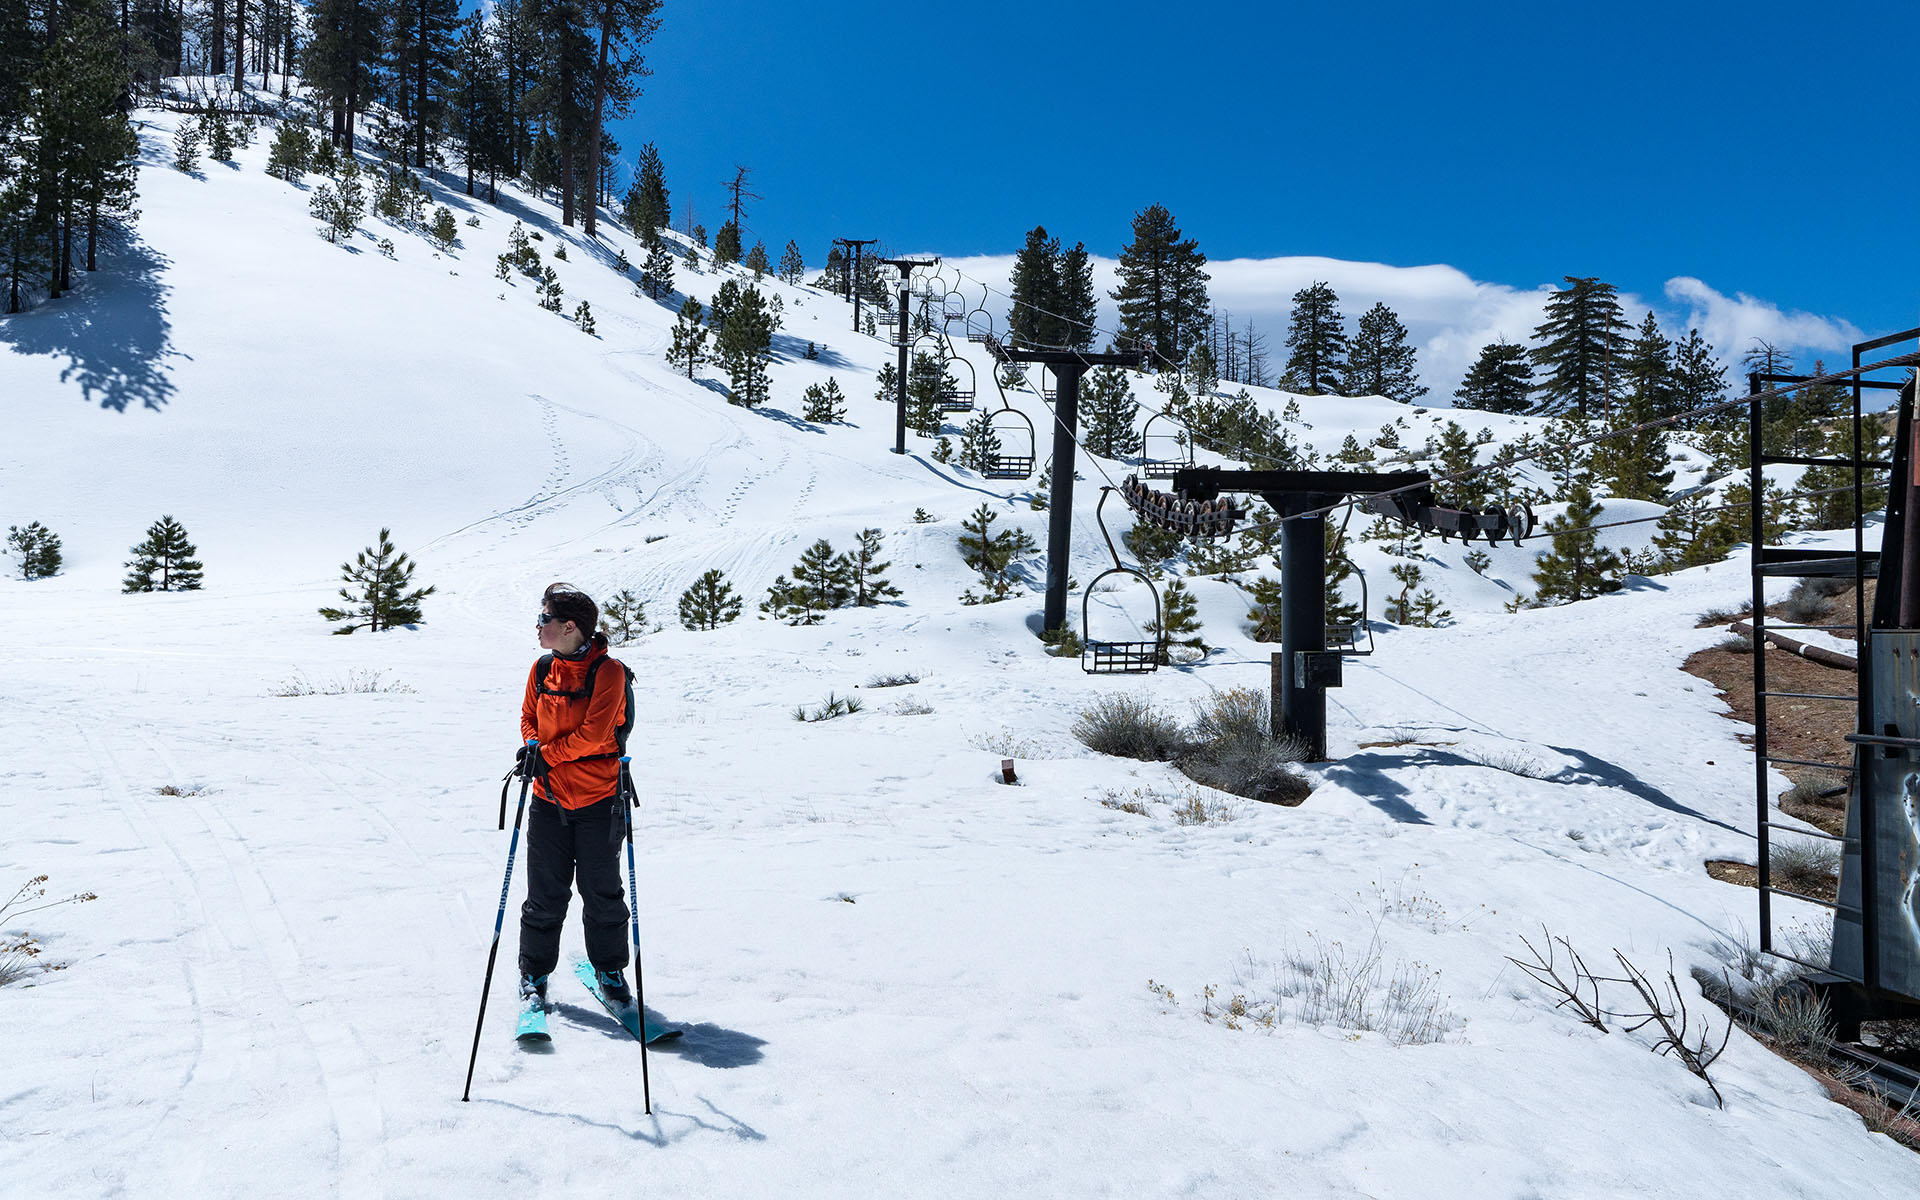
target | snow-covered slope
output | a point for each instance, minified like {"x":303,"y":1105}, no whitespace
{"x":899,"y":977}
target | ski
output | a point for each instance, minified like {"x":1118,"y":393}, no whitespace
{"x":533,"y":1023}
{"x":627,"y":1014}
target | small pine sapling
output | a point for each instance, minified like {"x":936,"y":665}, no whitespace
{"x":865,"y":573}
{"x":560,"y":252}
{"x":550,"y":291}
{"x":889,"y":384}
{"x":656,"y":274}
{"x":445,"y":230}
{"x":623,"y":617}
{"x":709,"y":603}
{"x":819,"y":585}
{"x":988,"y":552}
{"x":186,"y":146}
{"x":1179,"y":624}
{"x":813,"y":352}
{"x":583,"y":317}
{"x":385,"y":247}
{"x":922,"y":517}
{"x":1265,"y":612}
{"x":164,"y":562}
{"x":689,"y":338}
{"x":36,"y":549}
{"x":943,"y":450}
{"x":377,"y":590}
{"x":291,"y":152}
{"x":620,"y":262}
{"x":1478,"y":561}
{"x":219,"y":135}
{"x":979,"y":444}
{"x":826,"y":405}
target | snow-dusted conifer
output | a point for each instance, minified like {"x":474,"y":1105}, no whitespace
{"x":689,"y":338}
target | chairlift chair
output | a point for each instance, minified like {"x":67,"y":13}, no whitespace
{"x":1048,"y":391}
{"x":956,"y":308}
{"x":1102,"y":657}
{"x":954,"y":398}
{"x":1013,"y":431}
{"x":980,"y":326}
{"x":1167,"y":450}
{"x":1345,"y":638}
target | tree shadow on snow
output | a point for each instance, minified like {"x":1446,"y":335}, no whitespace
{"x":656,"y":1135}
{"x":113,"y":331}
{"x":791,"y":348}
{"x":787,"y":418}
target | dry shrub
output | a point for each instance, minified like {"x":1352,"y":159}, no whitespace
{"x":1231,"y":750}
{"x":1129,"y":726}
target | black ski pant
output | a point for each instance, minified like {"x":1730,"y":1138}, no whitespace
{"x":578,"y":847}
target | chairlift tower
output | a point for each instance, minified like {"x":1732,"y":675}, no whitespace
{"x":850,"y":273}
{"x":1067,"y":367}
{"x":905,"y":341}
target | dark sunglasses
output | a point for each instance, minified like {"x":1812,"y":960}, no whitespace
{"x":547,"y":619}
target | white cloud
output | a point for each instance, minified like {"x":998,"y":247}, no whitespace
{"x":1733,"y":323}
{"x":1448,"y":314}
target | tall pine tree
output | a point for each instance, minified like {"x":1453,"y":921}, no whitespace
{"x":1316,"y":341}
{"x":1379,"y":360}
{"x":1162,"y":295}
{"x":1580,"y":343}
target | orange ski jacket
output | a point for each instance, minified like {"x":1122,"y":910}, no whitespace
{"x":576,"y":734}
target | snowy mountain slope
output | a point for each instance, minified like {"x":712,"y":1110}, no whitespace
{"x":899,"y":976}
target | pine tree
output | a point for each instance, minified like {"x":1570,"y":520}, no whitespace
{"x":624,"y":617}
{"x":927,"y":378}
{"x":1034,"y":317}
{"x":689,"y":338}
{"x":1108,"y":408}
{"x":793,"y":265}
{"x":1636,"y":465}
{"x":887,"y":384}
{"x":656,"y":274}
{"x":1578,"y":567}
{"x":1379,"y":361}
{"x":291,"y":152}
{"x":1459,"y":453}
{"x":1162,"y":295}
{"x":1317,"y":342}
{"x":745,"y":347}
{"x":1180,"y":622}
{"x":979,"y":444}
{"x":379,"y":591}
{"x":218,"y":135}
{"x":826,"y":405}
{"x":756,"y":260}
{"x":709,"y":603}
{"x":1500,"y":381}
{"x":1689,"y":536}
{"x":1201,"y":368}
{"x":647,"y":207}
{"x":988,"y":552}
{"x":819,"y":585}
{"x":865,"y":574}
{"x":726,"y":245}
{"x":37,"y":548}
{"x":186,"y":146}
{"x":167,"y":554}
{"x":1265,"y":613}
{"x":1699,"y":381}
{"x":1581,"y":340}
{"x":583,"y":318}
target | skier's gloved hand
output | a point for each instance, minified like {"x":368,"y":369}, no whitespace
{"x":527,"y":763}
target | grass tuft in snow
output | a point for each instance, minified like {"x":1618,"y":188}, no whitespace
{"x":1513,"y":762}
{"x":887,"y":681}
{"x":1008,"y":744}
{"x":1808,"y":867}
{"x":19,"y":951}
{"x":353,"y":681}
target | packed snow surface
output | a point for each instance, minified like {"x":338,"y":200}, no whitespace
{"x":898,"y":976}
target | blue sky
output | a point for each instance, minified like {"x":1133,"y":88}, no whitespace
{"x":1514,"y":143}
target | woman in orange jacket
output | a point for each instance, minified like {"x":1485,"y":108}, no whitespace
{"x":575,"y":701}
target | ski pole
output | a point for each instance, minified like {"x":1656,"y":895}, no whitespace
{"x":633,"y":909}
{"x":513,"y":846}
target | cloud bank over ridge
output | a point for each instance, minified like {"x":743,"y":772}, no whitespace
{"x":1448,"y":314}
